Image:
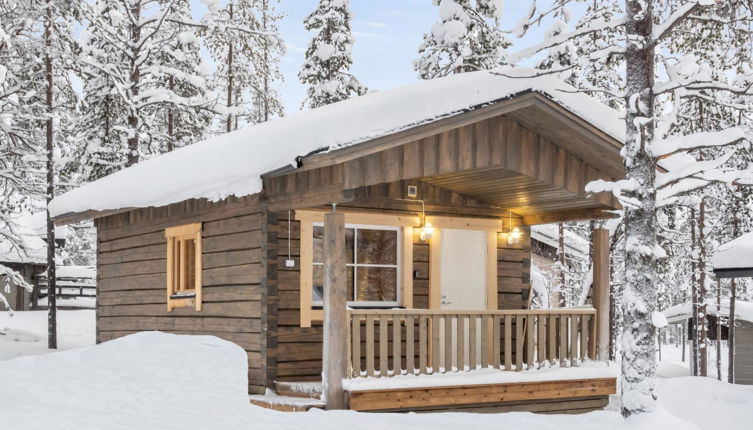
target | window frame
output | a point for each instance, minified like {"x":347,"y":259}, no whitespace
{"x":174,"y":236}
{"x":307,"y":218}
{"x":355,"y":265}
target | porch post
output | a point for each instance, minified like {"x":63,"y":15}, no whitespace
{"x":334,"y":359}
{"x":600,"y":238}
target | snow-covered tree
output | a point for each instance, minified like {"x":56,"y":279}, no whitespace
{"x":326,"y":70}
{"x":466,"y":38}
{"x":649,"y":138}
{"x":129,"y":49}
{"x":243,"y":40}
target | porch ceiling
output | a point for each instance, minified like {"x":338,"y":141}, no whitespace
{"x":513,"y":191}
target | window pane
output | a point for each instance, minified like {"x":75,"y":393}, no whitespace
{"x":317,"y":291}
{"x":189,"y":266}
{"x":376,"y":284}
{"x":319,"y":244}
{"x":377,"y":247}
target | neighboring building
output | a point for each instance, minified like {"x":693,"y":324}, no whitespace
{"x":545,"y":262}
{"x":30,"y":260}
{"x":228,"y":236}
{"x":743,"y":339}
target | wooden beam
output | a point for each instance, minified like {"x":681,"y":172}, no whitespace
{"x":572,"y":215}
{"x":600,"y":238}
{"x":334,"y":352}
{"x":309,"y":199}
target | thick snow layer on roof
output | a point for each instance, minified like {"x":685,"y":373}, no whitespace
{"x":684,"y":311}
{"x":736,"y":254}
{"x":231,"y":164}
{"x":549,"y":234}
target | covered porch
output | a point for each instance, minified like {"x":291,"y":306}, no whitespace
{"x":459,"y":195}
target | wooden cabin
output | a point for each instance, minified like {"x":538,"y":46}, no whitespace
{"x":380,"y":240}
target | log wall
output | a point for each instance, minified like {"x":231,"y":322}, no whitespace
{"x":131,"y":272}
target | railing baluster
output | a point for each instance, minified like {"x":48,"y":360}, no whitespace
{"x":472,"y":344}
{"x":410,"y":367}
{"x":518,"y":343}
{"x":355,"y":355}
{"x":397,"y":360}
{"x":423,"y":350}
{"x":531,"y":321}
{"x":563,"y":340}
{"x":383,"y":340}
{"x":448,"y":335}
{"x":508,"y":342}
{"x":460,"y":347}
{"x":370,"y":345}
{"x":585,"y":353}
{"x":574,"y":354}
{"x":552,"y":348}
{"x":485,"y":351}
{"x":497,"y":339}
{"x":541,"y":352}
{"x":435,"y":346}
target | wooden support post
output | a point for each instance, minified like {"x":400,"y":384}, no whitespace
{"x":335,"y":316}
{"x":601,"y":291}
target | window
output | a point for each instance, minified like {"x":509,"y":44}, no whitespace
{"x":184,"y":266}
{"x":373,"y":265}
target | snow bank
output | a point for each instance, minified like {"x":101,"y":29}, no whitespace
{"x":736,"y":254}
{"x":231,"y":164}
{"x":160,"y":381}
{"x":25,"y":333}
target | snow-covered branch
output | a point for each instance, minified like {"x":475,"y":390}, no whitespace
{"x":702,"y":140}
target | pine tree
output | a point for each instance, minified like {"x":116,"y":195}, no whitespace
{"x":329,"y":56}
{"x":466,"y":38}
{"x":131,"y":51}
{"x":243,"y":40}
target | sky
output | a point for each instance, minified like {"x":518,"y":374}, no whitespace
{"x":387,"y":34}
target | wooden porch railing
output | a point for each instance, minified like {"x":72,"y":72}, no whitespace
{"x":418,"y":341}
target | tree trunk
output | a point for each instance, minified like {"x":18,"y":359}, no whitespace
{"x":265,"y":52}
{"x":561,"y":257}
{"x":702,"y":293}
{"x":52,"y":338}
{"x":229,"y":124}
{"x":639,"y":297}
{"x":694,"y":356}
{"x":170,"y":121}
{"x":732,"y":300}
{"x":133,"y":118}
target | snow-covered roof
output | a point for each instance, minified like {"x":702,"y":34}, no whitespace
{"x":684,"y":311}
{"x":736,"y":254}
{"x":232,"y":164}
{"x":549,"y":234}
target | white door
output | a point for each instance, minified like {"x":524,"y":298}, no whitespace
{"x":463,"y":269}
{"x":462,"y":281}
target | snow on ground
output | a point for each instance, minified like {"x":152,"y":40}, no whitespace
{"x":25,"y":333}
{"x":154,"y":380}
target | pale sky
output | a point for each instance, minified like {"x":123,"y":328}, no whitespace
{"x":387,"y":34}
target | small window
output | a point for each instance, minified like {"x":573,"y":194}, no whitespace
{"x":183,"y":266}
{"x":372,"y":265}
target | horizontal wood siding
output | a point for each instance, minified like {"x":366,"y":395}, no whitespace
{"x":298,"y":351}
{"x":132,"y":276}
{"x":744,"y":353}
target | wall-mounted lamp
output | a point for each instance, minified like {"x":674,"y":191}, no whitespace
{"x":514,"y":234}
{"x":425,"y":230}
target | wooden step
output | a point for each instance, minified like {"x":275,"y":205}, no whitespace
{"x":286,"y":403}
{"x":306,"y":390}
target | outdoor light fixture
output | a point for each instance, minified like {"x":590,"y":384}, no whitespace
{"x":425,"y":229}
{"x":514,"y":234}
